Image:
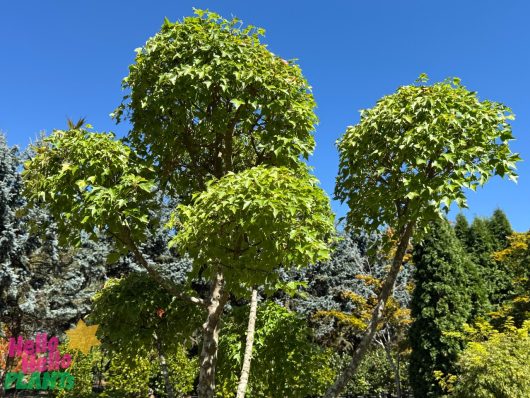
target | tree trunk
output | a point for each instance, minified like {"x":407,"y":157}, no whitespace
{"x":395,"y":369}
{"x":245,"y":370}
{"x":388,"y":285}
{"x":163,"y":368}
{"x":208,"y":357}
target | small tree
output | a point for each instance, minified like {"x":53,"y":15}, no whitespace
{"x":410,"y":156}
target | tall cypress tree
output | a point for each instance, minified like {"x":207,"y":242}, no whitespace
{"x":482,"y":244}
{"x":500,"y":229}
{"x":441,"y":302}
{"x":462,"y":229}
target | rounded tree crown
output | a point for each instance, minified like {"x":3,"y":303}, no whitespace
{"x":250,"y":223}
{"x":413,"y":154}
{"x":206,"y":98}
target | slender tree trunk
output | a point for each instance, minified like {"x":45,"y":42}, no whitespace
{"x":208,"y":357}
{"x":395,"y":369}
{"x":164,"y":368}
{"x":388,"y":285}
{"x":245,"y":370}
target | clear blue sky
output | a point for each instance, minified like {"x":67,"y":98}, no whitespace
{"x":67,"y":58}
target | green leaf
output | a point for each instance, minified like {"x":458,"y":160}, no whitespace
{"x":113,"y":257}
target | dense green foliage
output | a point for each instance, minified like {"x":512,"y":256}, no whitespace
{"x":496,"y":368}
{"x":250,"y":223}
{"x":133,"y":312}
{"x":208,"y":197}
{"x":207,"y":98}
{"x":90,"y":182}
{"x":441,"y":303}
{"x":500,"y":229}
{"x":375,"y":376}
{"x":481,"y":239}
{"x":417,"y":150}
{"x":515,"y":259}
{"x":131,"y":374}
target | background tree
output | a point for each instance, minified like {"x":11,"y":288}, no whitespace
{"x":43,"y":286}
{"x":410,"y":156}
{"x":11,"y":244}
{"x":500,"y":229}
{"x":462,"y":230}
{"x":441,"y":303}
{"x":481,"y":246}
{"x":515,"y":259}
{"x":338,"y":299}
{"x":286,"y":362}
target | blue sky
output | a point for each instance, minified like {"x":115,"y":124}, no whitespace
{"x":67,"y":58}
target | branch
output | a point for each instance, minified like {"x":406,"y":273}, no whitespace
{"x":170,"y":287}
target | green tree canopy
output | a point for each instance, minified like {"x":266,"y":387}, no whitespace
{"x":91,"y":182}
{"x":417,"y":150}
{"x":249,"y":224}
{"x":132,"y":312}
{"x":206,"y":98}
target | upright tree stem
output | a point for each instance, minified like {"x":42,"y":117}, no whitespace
{"x":164,"y":368}
{"x":210,"y":343}
{"x":245,"y":370}
{"x":377,"y":314}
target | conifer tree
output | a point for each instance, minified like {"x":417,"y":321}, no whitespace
{"x":500,"y":229}
{"x":441,"y":303}
{"x":43,"y":286}
{"x":462,"y":229}
{"x":12,"y":238}
{"x":481,"y":246}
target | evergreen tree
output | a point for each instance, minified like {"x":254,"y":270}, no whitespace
{"x":328,"y":281}
{"x":480,"y":240}
{"x":43,"y":286}
{"x":494,"y":275}
{"x":12,"y":238}
{"x":441,"y":303}
{"x":500,"y":229}
{"x":462,"y":229}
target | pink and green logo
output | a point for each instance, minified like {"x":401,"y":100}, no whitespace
{"x":42,"y":366}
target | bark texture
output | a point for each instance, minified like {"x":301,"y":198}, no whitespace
{"x":245,"y":370}
{"x":210,"y":343}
